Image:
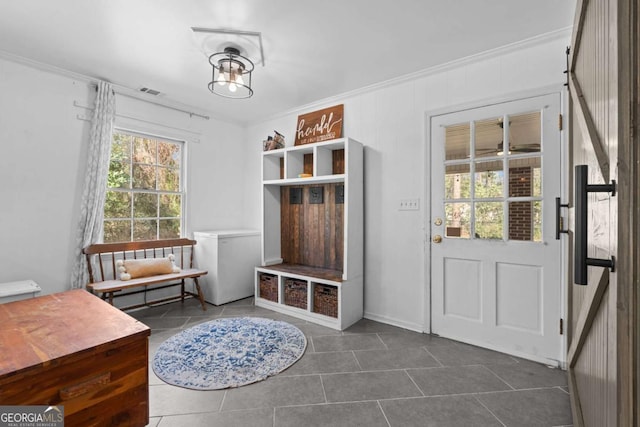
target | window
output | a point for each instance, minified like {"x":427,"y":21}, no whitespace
{"x":492,"y":192}
{"x":145,"y":191}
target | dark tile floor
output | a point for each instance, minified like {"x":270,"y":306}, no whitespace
{"x":369,"y":375}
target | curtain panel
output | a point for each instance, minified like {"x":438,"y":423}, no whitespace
{"x":95,"y":185}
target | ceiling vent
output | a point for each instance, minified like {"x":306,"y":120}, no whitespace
{"x":150,"y":91}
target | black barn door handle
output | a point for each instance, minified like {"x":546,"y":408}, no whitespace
{"x":559,"y":225}
{"x":582,"y":190}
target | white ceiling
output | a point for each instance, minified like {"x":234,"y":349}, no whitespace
{"x":312,"y":49}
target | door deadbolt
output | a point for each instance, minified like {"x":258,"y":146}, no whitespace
{"x":437,"y":238}
{"x":438,"y":221}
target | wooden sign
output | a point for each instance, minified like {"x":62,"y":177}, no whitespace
{"x":319,"y":125}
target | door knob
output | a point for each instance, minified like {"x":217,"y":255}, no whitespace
{"x":437,"y":238}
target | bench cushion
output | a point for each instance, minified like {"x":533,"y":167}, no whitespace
{"x":117,"y":285}
{"x":133,"y":268}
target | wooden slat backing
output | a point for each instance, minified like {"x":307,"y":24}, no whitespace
{"x":313,"y":234}
{"x":307,"y":164}
{"x":338,"y":161}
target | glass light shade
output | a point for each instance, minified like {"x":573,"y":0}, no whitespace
{"x":232,"y":68}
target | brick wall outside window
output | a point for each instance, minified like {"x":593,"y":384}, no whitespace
{"x":520,"y":213}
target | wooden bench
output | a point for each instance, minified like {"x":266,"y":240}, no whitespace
{"x":106,"y":281}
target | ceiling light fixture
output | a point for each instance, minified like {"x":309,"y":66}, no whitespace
{"x":500,"y":150}
{"x":231,"y":74}
{"x":232,"y":68}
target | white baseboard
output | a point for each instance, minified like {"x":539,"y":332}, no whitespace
{"x":394,"y":322}
{"x":515,"y":353}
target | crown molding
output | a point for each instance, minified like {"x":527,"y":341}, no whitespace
{"x":11,"y":57}
{"x":563,"y":33}
{"x":118,"y":88}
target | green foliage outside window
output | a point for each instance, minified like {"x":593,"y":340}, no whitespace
{"x":489,"y":215}
{"x":144,"y":191}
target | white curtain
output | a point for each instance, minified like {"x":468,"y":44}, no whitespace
{"x":95,"y":185}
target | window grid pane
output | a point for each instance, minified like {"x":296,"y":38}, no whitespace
{"x":144,"y":196}
{"x":493,"y":178}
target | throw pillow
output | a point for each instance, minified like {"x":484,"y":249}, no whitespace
{"x":134,"y":268}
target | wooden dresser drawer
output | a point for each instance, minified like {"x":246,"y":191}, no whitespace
{"x":105,"y":384}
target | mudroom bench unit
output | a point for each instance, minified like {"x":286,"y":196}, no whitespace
{"x":312,"y":243}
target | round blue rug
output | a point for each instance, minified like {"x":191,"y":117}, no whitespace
{"x":229,"y":352}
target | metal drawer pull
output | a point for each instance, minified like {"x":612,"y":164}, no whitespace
{"x":582,"y":190}
{"x":559,"y":222}
{"x":85,"y":387}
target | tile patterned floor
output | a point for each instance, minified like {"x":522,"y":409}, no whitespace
{"x":369,"y":375}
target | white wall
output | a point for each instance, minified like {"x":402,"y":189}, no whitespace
{"x":43,"y":160}
{"x":390,"y":121}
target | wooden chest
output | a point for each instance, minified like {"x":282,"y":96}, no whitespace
{"x":75,"y":350}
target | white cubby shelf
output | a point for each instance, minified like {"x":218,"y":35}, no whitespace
{"x":348,"y":298}
{"x":319,"y":245}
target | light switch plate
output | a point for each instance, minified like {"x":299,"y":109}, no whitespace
{"x":409,"y":205}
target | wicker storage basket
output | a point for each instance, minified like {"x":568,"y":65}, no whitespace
{"x":295,"y":293}
{"x":325,"y":300}
{"x":269,"y":287}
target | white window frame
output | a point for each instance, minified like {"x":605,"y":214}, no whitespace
{"x":183,"y":183}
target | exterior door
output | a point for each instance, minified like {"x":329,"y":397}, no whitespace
{"x":603,"y":87}
{"x":495,"y":261}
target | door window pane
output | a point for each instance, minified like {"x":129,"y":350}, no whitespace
{"x":488,"y":220}
{"x":537,"y":221}
{"x":525,"y":221}
{"x":489,"y":136}
{"x":457,"y":141}
{"x":501,"y":151}
{"x":525,"y":178}
{"x":520,"y":221}
{"x":457,"y":220}
{"x":524,"y":133}
{"x":489,"y":179}
{"x":457,"y":182}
